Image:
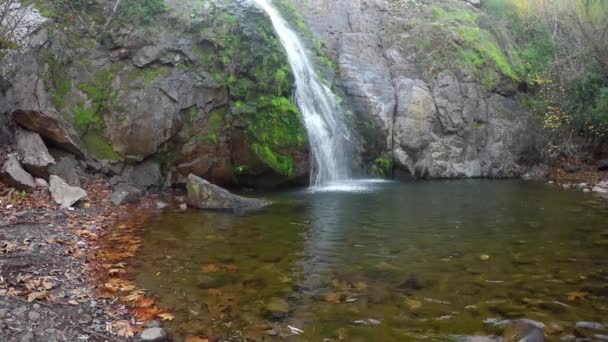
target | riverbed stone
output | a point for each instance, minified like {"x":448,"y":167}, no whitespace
{"x":154,"y":335}
{"x":125,"y":193}
{"x":588,"y":329}
{"x":15,"y":176}
{"x":64,"y":194}
{"x":276,"y":308}
{"x":602,"y":165}
{"x":206,"y":282}
{"x":204,"y":195}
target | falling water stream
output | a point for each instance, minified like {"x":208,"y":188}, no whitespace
{"x":328,"y":134}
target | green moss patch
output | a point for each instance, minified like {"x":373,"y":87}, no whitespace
{"x":99,"y":146}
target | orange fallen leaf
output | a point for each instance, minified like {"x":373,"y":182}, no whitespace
{"x":37,"y":295}
{"x":210,"y":268}
{"x":196,"y":339}
{"x":332,"y":298}
{"x":215,"y":292}
{"x":145,"y":303}
{"x":575,"y":295}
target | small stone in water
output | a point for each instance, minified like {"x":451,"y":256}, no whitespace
{"x":369,"y":321}
{"x":484,"y":257}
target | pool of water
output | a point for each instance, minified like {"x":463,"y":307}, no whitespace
{"x":387,"y":262}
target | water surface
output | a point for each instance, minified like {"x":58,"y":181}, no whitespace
{"x":426,"y":260}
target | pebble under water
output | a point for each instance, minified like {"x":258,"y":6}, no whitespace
{"x":388,"y":262}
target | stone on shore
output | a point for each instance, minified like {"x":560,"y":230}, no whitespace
{"x":35,"y":157}
{"x":15,"y":176}
{"x":204,"y":195}
{"x":64,"y":194}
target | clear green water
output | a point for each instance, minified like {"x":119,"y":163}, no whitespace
{"x":410,"y":255}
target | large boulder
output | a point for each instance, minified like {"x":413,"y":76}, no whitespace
{"x":64,"y":194}
{"x":50,"y":126}
{"x":14,"y":175}
{"x":144,"y":175}
{"x":66,"y":167}
{"x":204,"y":195}
{"x":35,"y":157}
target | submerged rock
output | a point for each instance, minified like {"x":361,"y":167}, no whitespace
{"x":588,"y":329}
{"x":523,"y":330}
{"x":64,"y":194}
{"x":125,"y":193}
{"x":15,"y":176}
{"x":277,"y":308}
{"x":602,"y":165}
{"x":204,"y":195}
{"x":154,"y":334}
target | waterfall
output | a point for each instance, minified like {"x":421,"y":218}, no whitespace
{"x":328,"y":135}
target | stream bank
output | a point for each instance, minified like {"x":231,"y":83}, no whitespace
{"x":49,"y":267}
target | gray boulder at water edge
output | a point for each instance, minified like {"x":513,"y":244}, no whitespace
{"x":204,"y":195}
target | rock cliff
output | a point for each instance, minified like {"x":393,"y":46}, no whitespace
{"x":204,"y":89}
{"x":434,"y":88}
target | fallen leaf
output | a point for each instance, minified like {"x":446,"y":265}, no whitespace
{"x":196,"y":339}
{"x":413,"y":304}
{"x":332,"y":298}
{"x":120,"y":328}
{"x":37,"y":295}
{"x":575,"y":295}
{"x":145,"y":303}
{"x":210,"y":268}
{"x":165,"y":316}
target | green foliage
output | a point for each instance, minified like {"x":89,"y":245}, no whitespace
{"x":454,"y":15}
{"x":99,"y":146}
{"x":86,"y":118}
{"x":482,"y":49}
{"x":382,"y":167}
{"x":274,"y":125}
{"x":151,"y":74}
{"x":254,"y":69}
{"x":292,"y":15}
{"x":143,"y":10}
{"x":569,"y":93}
{"x":6,"y":44}
{"x":588,"y":101}
{"x":56,"y":81}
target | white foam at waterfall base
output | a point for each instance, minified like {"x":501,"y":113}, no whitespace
{"x":329,"y":136}
{"x":352,"y":185}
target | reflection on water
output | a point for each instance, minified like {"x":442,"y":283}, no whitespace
{"x":404,"y":261}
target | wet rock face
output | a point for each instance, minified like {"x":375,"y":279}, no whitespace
{"x":440,"y":123}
